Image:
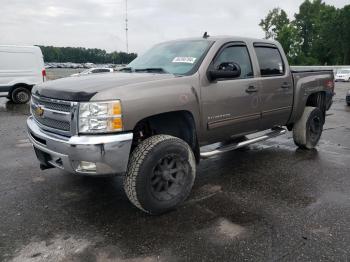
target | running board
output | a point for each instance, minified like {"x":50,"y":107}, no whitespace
{"x":273,"y":133}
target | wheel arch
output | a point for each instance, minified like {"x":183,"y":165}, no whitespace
{"x":314,"y":99}
{"x":179,"y":124}
{"x":317,"y":99}
{"x":24,"y":85}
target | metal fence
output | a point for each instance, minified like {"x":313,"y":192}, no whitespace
{"x":334,"y":68}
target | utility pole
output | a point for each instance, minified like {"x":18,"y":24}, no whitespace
{"x":126,"y":26}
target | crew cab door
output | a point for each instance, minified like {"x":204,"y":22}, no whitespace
{"x":230,"y":107}
{"x":276,"y":93}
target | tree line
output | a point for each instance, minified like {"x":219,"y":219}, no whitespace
{"x":319,"y":34}
{"x":85,"y":55}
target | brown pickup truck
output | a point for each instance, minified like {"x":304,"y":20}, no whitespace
{"x":150,"y":121}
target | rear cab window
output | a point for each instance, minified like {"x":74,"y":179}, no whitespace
{"x":270,"y":60}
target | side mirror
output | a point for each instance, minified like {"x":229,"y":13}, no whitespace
{"x":224,"y":71}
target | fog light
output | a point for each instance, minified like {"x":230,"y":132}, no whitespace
{"x":86,"y":167}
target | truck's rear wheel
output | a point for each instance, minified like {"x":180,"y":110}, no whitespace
{"x":308,"y":130}
{"x":20,"y":95}
{"x":160,"y":174}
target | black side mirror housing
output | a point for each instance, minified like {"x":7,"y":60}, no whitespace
{"x":226,"y":70}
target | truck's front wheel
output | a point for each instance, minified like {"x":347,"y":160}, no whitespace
{"x":160,"y":174}
{"x":308,"y":130}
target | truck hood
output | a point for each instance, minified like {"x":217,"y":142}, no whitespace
{"x":83,"y":88}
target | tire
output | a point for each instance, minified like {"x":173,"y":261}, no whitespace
{"x":152,"y":183}
{"x":308,"y":130}
{"x":20,"y":95}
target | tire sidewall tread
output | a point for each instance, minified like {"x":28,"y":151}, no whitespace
{"x":136,"y":177}
{"x":300,"y":129}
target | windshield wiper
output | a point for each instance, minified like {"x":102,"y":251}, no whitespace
{"x":152,"y":70}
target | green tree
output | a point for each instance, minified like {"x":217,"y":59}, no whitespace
{"x":277,"y":26}
{"x":344,"y":21}
{"x":290,"y":41}
{"x":274,"y":22}
{"x":325,"y":45}
{"x":83,"y":55}
{"x":307,"y":21}
{"x":319,"y":34}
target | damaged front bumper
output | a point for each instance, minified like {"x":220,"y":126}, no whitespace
{"x":86,"y":155}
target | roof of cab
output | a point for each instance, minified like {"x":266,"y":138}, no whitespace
{"x":226,"y":38}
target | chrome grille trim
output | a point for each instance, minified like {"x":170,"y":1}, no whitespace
{"x":60,"y":117}
{"x":61,"y":106}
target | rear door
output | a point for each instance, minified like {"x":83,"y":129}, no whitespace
{"x":276,"y":86}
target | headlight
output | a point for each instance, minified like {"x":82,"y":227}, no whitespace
{"x":100,"y":117}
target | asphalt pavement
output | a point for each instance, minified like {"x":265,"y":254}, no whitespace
{"x":270,"y":202}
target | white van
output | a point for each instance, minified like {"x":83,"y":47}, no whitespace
{"x":343,"y":75}
{"x":21,"y":67}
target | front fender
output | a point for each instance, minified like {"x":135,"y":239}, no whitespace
{"x":143,"y":100}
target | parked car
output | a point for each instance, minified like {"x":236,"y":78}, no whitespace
{"x":94,"y":71}
{"x":150,"y":121}
{"x":348,"y":97}
{"x":343,"y":75}
{"x":21,"y":67}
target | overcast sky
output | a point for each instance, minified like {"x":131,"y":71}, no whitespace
{"x":101,"y":23}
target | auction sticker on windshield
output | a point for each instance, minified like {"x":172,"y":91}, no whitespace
{"x":188,"y":60}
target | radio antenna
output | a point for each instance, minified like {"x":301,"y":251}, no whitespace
{"x":126,"y":26}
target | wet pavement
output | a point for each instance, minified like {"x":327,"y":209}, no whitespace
{"x":271,"y":202}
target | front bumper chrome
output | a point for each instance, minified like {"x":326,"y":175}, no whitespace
{"x":110,"y":153}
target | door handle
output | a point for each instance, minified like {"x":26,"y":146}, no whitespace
{"x":285,"y":85}
{"x":251,"y":89}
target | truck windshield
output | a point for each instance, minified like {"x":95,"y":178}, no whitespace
{"x":344,"y":72}
{"x":179,"y":58}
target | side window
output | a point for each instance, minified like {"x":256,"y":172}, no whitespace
{"x":270,"y":61}
{"x":239,"y":55}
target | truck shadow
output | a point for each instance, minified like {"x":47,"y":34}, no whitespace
{"x":228,"y":204}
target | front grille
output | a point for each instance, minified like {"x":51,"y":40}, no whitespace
{"x":56,"y":124}
{"x":53,"y":115}
{"x":52,"y":105}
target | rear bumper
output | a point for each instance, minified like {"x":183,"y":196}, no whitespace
{"x":110,"y":153}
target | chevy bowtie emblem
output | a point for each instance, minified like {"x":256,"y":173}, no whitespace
{"x":39,"y":111}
